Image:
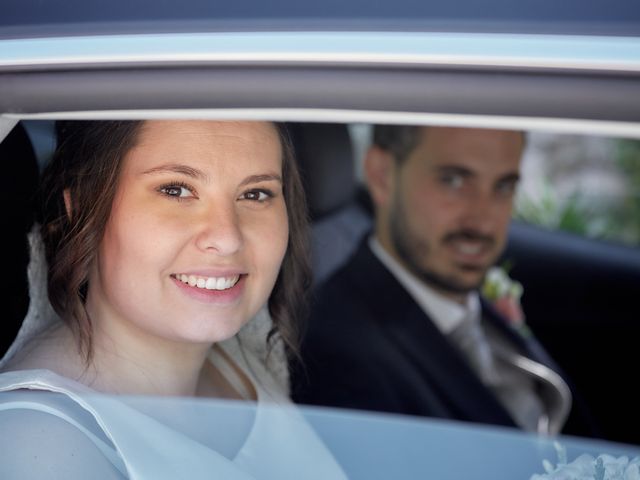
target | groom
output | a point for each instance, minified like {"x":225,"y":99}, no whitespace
{"x":402,"y":327}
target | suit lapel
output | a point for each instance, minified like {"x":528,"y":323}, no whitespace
{"x":411,"y":331}
{"x":528,"y":345}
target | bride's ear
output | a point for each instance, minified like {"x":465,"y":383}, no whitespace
{"x":67,"y":202}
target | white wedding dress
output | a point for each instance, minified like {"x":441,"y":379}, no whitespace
{"x":78,"y":430}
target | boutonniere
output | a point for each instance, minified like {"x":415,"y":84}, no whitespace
{"x":504,"y":293}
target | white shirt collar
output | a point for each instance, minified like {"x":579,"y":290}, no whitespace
{"x":445,"y":313}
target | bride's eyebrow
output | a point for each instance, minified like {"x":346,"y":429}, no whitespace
{"x":261,"y":178}
{"x":177,"y":168}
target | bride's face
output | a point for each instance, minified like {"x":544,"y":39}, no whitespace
{"x":197,"y":232}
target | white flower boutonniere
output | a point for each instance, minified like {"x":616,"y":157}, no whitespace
{"x":586,"y":467}
{"x":505,"y":293}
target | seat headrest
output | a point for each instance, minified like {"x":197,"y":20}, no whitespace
{"x":325,"y":155}
{"x":19,"y":164}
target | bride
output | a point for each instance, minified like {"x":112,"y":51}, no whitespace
{"x":162,"y":240}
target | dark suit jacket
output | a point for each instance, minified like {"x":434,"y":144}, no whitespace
{"x":368,"y":345}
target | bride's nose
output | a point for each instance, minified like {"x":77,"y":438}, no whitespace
{"x":219,"y":230}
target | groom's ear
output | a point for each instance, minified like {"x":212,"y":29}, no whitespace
{"x":66,"y":194}
{"x":379,"y":174}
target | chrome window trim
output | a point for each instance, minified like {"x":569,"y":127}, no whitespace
{"x":565,"y":52}
{"x":558,"y":125}
{"x":6,"y":125}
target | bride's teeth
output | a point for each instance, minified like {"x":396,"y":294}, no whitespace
{"x":210,"y":283}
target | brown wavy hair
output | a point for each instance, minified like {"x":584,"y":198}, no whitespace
{"x":87,"y":164}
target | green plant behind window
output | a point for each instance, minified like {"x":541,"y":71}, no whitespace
{"x":606,"y":218}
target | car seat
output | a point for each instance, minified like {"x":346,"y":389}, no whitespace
{"x":21,"y":172}
{"x":338,"y":205}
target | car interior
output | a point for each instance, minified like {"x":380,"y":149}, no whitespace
{"x":580,"y":294}
{"x":21,"y":168}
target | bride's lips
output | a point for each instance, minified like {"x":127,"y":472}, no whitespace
{"x":219,"y":289}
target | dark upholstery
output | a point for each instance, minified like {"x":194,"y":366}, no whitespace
{"x":20,"y":174}
{"x":338,"y":204}
{"x":326,"y":159}
{"x":580,"y":299}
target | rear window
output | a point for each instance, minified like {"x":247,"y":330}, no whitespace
{"x":586,"y":185}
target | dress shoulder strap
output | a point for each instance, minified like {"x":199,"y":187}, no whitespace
{"x":147,"y":448}
{"x":44,"y":404}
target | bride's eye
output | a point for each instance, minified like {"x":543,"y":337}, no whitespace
{"x":258,"y":195}
{"x":177,"y":190}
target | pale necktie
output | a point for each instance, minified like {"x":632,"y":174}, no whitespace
{"x":471,"y":341}
{"x":516,"y":393}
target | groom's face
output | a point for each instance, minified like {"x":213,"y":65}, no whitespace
{"x":450,"y":204}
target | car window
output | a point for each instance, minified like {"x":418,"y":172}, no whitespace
{"x":560,"y":300}
{"x":587,"y":185}
{"x":551,"y":162}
